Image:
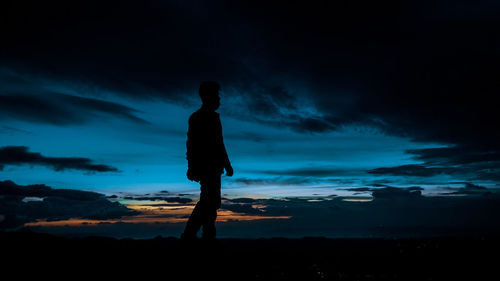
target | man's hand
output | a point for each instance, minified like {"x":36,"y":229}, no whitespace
{"x":229,"y":171}
{"x":191,"y":176}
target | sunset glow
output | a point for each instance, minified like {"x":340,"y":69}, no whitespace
{"x":158,"y":212}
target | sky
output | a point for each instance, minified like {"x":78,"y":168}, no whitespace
{"x":319,"y":99}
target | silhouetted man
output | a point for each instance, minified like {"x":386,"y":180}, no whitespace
{"x":207,"y":159}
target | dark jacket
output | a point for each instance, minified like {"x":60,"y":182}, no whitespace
{"x":206,"y":153}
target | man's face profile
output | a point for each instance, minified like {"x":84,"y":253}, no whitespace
{"x":212,"y":101}
{"x":209,"y":93}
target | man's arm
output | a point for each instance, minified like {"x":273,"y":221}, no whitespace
{"x":225,"y":158}
{"x":227,"y":163}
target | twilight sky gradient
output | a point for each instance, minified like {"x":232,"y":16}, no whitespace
{"x":318,"y":98}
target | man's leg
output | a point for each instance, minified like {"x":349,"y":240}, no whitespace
{"x":209,"y":224}
{"x":211,"y":197}
{"x":194,"y":222}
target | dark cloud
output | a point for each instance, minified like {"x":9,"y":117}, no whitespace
{"x":385,"y":188}
{"x":62,"y":109}
{"x":162,"y":53}
{"x":312,"y":172}
{"x":41,"y":190}
{"x":273,"y":181}
{"x":362,"y":189}
{"x":470,"y":189}
{"x":169,"y":199}
{"x":457,"y":155}
{"x":19,"y":155}
{"x":392,"y":193}
{"x":57,"y":204}
{"x":415,"y":170}
{"x":242,"y":208}
{"x":466,"y":162}
{"x":242,"y":200}
{"x":342,"y":52}
{"x":162,"y":195}
{"x":302,"y":124}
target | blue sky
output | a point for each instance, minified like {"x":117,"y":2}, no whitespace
{"x":150,"y":156}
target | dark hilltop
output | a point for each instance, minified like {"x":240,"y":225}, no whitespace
{"x":42,"y":255}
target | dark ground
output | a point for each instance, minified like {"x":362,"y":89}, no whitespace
{"x":28,"y":254}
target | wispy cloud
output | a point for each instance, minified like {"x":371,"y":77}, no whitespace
{"x":62,"y":109}
{"x":468,"y":163}
{"x":19,"y":155}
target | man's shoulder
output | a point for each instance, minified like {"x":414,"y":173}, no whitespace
{"x":203,"y":115}
{"x":195,"y":115}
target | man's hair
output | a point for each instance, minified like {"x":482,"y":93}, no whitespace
{"x":208,"y":89}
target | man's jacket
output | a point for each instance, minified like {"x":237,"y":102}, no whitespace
{"x":206,"y":153}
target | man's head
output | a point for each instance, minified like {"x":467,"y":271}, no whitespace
{"x":209,"y":94}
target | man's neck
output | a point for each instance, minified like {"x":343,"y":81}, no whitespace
{"x":206,"y":109}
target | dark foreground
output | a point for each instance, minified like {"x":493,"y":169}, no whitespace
{"x":29,"y":254}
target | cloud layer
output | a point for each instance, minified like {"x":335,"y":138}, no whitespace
{"x":60,"y":109}
{"x":392,"y":65}
{"x":376,"y":212}
{"x":19,"y":155}
{"x":57,"y":204}
{"x":470,"y":163}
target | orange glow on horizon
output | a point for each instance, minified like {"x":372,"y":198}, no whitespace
{"x":151,"y":214}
